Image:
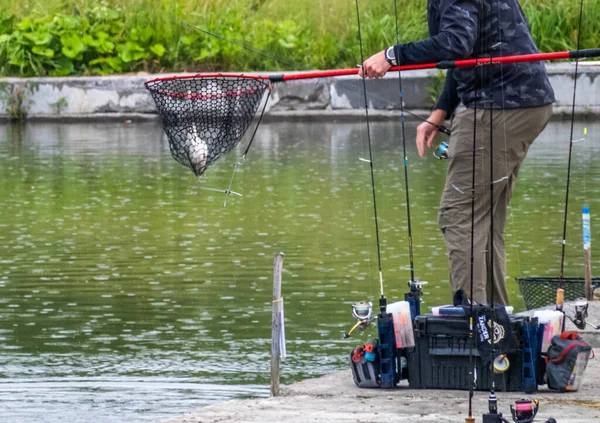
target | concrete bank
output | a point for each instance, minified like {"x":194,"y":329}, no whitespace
{"x":124,"y":97}
{"x":335,"y":399}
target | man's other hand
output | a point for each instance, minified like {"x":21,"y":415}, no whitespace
{"x":426,"y":132}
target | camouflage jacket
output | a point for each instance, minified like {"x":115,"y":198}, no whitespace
{"x":461,"y":29}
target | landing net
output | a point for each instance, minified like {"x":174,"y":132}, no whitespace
{"x":206,"y":116}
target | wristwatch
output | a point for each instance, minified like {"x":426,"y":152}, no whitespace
{"x":390,"y":56}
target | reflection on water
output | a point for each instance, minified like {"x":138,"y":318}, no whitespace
{"x":128,"y":292}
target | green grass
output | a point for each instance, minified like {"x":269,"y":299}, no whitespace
{"x":83,"y":37}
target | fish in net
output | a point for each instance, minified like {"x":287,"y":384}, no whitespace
{"x":205,"y":116}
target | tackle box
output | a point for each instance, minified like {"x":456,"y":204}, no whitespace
{"x":440,"y":358}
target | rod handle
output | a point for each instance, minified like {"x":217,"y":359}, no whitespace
{"x":560,"y":298}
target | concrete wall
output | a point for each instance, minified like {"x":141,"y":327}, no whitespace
{"x":125,"y":97}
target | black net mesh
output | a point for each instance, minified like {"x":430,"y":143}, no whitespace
{"x":205,"y":117}
{"x":540,"y":292}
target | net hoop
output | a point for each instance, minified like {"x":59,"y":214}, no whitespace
{"x":206,"y":115}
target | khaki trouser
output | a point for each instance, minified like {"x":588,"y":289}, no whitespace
{"x":514,"y":130}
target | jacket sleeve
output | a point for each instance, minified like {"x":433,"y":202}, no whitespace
{"x":449,"y":99}
{"x":456,"y":37}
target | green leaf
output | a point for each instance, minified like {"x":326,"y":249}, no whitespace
{"x":158,"y":49}
{"x":100,"y":44}
{"x":67,"y":22}
{"x":25,"y":24}
{"x":101,"y":35}
{"x":142,"y":35}
{"x":62,"y":67}
{"x":89,"y":40}
{"x":107,"y":65}
{"x":39,"y":38}
{"x":130,"y":52}
{"x":72,"y":46}
{"x":17,"y":58}
{"x":187,"y":40}
{"x":115,"y":63}
{"x":6,"y":21}
{"x":43,"y":51}
{"x":105,"y":47}
{"x":4,"y":38}
{"x":289,"y":42}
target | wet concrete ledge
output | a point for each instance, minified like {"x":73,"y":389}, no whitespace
{"x":125,"y":97}
{"x":335,"y":399}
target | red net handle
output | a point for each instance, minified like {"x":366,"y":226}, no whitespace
{"x":446,"y":64}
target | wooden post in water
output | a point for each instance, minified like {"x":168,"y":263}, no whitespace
{"x":276,"y":329}
{"x":587,"y":249}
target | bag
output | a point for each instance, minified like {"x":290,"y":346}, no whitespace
{"x":364,"y":363}
{"x":567,"y":359}
{"x":493,"y":332}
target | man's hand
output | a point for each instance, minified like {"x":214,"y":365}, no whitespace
{"x":426,"y":132}
{"x":375,"y":66}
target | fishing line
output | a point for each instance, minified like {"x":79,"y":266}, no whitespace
{"x":364,"y":86}
{"x":560,"y":292}
{"x":237,"y":43}
{"x":243,"y":159}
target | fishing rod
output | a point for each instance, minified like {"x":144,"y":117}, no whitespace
{"x":492,"y":400}
{"x":409,"y":227}
{"x":413,"y":297}
{"x":382,"y":301}
{"x":531,"y":408}
{"x":386,"y":345}
{"x":560,"y":292}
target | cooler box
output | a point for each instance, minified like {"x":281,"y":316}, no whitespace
{"x":440,"y":359}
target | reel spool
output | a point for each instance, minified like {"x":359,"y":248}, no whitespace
{"x":501,"y":364}
{"x":442,"y":151}
{"x":362,"y":310}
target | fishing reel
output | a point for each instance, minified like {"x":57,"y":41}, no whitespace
{"x":442,"y":151}
{"x":416,"y":286}
{"x":363,"y":313}
{"x":523,"y":411}
{"x":581,"y":314}
{"x":413,"y":296}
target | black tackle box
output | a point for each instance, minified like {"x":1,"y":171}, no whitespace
{"x":440,"y":358}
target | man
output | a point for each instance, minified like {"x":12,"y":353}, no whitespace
{"x":512,"y":101}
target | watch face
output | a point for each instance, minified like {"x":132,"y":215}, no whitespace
{"x":389,"y":55}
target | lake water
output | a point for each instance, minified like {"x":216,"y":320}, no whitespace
{"x":129,"y":293}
